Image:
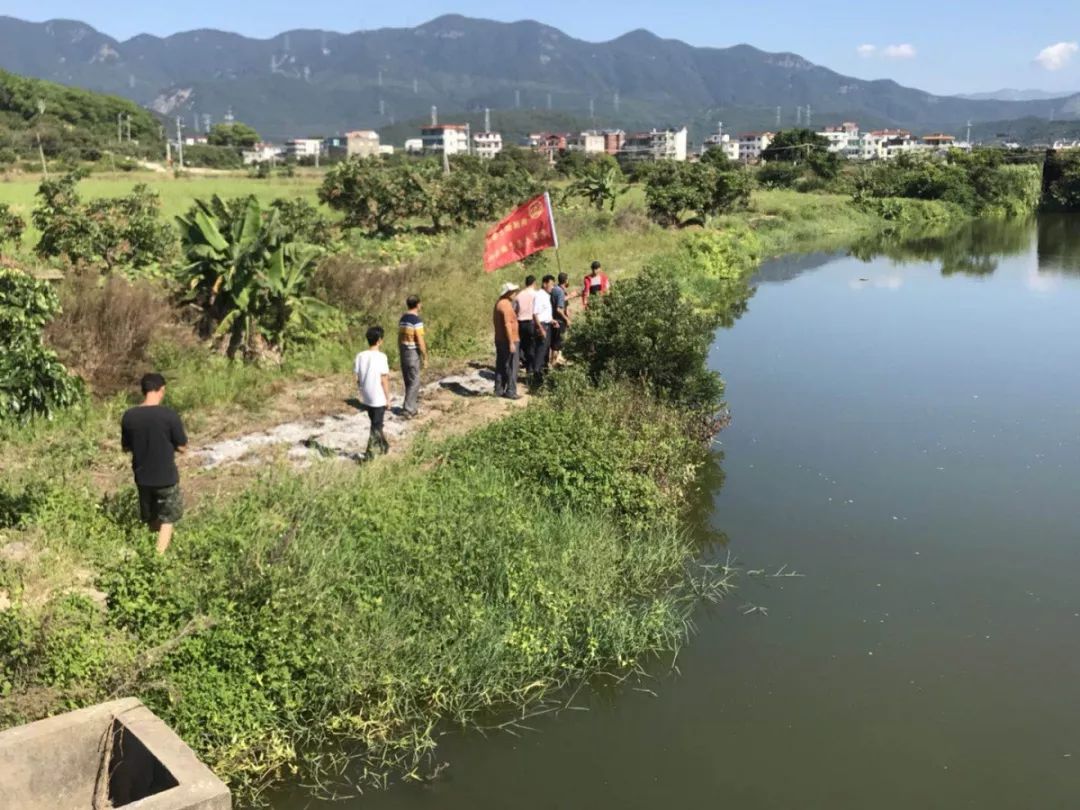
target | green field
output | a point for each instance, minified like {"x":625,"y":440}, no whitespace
{"x":177,"y":193}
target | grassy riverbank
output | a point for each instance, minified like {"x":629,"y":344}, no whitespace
{"x":305,"y":613}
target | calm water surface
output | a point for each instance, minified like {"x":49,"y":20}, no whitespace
{"x":906,"y":435}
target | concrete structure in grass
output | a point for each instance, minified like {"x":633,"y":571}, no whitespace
{"x":116,"y":754}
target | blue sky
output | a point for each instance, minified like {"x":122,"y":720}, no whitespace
{"x":943,"y":47}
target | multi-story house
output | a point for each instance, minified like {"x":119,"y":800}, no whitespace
{"x":303,"y":148}
{"x":591,"y":143}
{"x":487,"y":145}
{"x":453,"y":139}
{"x":724,"y":143}
{"x":752,"y":144}
{"x":657,"y":144}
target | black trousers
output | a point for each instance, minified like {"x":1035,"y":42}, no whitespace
{"x":506,"y":369}
{"x":377,"y":443}
{"x":541,"y":350}
{"x":527,"y":337}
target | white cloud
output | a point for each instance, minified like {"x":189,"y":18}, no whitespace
{"x":1055,"y":57}
{"x":902,"y":51}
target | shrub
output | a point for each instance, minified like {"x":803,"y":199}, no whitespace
{"x":11,"y":226}
{"x":107,"y":327}
{"x":704,"y":189}
{"x":32,"y":379}
{"x":646,"y":331}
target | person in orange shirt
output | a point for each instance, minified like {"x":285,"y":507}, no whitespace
{"x":596,"y":283}
{"x":507,"y":340}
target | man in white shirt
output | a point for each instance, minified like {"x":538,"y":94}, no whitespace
{"x":373,"y":379}
{"x":543,"y":313}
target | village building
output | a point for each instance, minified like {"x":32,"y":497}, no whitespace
{"x":656,"y":144}
{"x":752,"y":144}
{"x":362,"y":143}
{"x":452,"y":139}
{"x":487,"y":145}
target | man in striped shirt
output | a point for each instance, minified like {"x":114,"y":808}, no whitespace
{"x":412,"y":349}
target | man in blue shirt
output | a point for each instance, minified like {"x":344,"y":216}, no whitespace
{"x":412,"y":349}
{"x":560,"y":304}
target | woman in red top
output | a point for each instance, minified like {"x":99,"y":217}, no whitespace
{"x":596,"y":283}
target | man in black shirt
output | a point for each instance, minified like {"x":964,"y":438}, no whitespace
{"x":153,"y":434}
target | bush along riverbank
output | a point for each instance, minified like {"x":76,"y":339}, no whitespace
{"x":356,"y":609}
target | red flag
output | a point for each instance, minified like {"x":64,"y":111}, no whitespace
{"x":531,"y":227}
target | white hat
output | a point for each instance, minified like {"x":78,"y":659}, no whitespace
{"x":508,"y":287}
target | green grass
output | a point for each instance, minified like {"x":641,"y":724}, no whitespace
{"x":353,"y":608}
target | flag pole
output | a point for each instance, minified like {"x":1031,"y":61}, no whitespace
{"x":554,"y":233}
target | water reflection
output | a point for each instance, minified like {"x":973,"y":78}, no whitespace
{"x":1059,"y":243}
{"x":973,"y":249}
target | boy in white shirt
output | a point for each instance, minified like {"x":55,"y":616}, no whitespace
{"x":373,"y":379}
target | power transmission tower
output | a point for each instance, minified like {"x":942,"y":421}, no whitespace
{"x":487,"y":119}
{"x":179,"y":143}
{"x":808,"y":116}
{"x":434,"y":115}
{"x":777,"y":118}
{"x":549,"y":101}
{"x":416,"y":86}
{"x":616,"y":102}
{"x":382,"y":108}
{"x":798,"y":116}
{"x":517,"y":99}
{"x":969,"y":132}
{"x":592,"y":109}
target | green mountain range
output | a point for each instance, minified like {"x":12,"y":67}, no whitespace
{"x":320,"y":82}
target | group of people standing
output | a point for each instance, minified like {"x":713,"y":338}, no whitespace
{"x":531,"y":324}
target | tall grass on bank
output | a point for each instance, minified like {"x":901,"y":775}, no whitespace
{"x":353,"y":610}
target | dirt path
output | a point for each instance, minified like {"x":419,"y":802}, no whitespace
{"x":452,"y":404}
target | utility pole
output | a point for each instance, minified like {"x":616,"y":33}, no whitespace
{"x":179,"y":143}
{"x":119,"y":127}
{"x":129,"y":128}
{"x":40,"y":148}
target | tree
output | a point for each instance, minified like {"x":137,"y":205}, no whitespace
{"x":33,"y":381}
{"x":705,"y":189}
{"x":237,"y":135}
{"x":249,"y":278}
{"x":803,"y":147}
{"x":122,"y":231}
{"x":601,"y":182}
{"x":11,"y":226}
{"x":373,"y":196}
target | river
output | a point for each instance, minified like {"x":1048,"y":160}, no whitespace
{"x":906,"y":437}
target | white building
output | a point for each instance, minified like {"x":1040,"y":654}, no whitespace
{"x":752,"y":144}
{"x":453,"y":139}
{"x":386,"y":149}
{"x":844,"y":140}
{"x":657,"y":144}
{"x":362,"y":143}
{"x":591,"y":143}
{"x":261,"y":153}
{"x":724,"y":143}
{"x":414,"y":146}
{"x":487,"y":145}
{"x":303,"y":147}
{"x":195,"y":140}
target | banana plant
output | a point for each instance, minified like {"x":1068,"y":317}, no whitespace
{"x":248,"y":278}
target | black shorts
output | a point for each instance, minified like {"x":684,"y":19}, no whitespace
{"x":558,"y":335}
{"x":161,"y":504}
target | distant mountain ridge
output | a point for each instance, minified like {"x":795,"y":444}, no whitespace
{"x":310,"y":81}
{"x":1011,"y":94}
